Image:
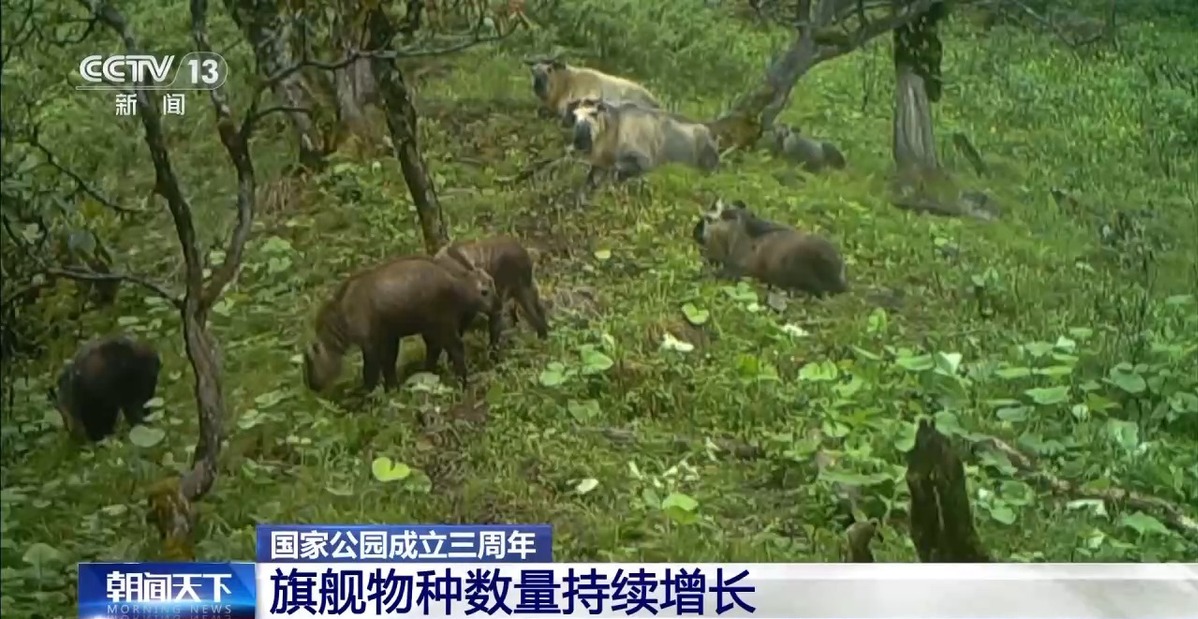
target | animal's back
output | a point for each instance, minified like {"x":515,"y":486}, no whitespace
{"x":799,"y":261}
{"x":404,"y":289}
{"x":670,"y":137}
{"x":617,"y":89}
{"x":114,"y":358}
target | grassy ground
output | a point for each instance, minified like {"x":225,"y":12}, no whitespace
{"x":1031,"y":311}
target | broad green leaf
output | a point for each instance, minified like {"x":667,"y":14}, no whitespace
{"x":114,"y":510}
{"x":553,"y":375}
{"x":1144,"y":524}
{"x":948,"y":423}
{"x":694,"y":315}
{"x":852,"y":479}
{"x":919,"y":363}
{"x":1125,"y":433}
{"x":146,"y":436}
{"x":1097,"y":506}
{"x":594,"y":362}
{"x":41,"y":555}
{"x":586,"y":485}
{"x":819,"y":371}
{"x":677,"y":500}
{"x":1003,"y":513}
{"x":948,"y":362}
{"x":583,"y":410}
{"x":904,"y":439}
{"x":1054,"y":370}
{"x":1038,"y":349}
{"x":1047,"y":396}
{"x":1012,"y":373}
{"x":384,"y":469}
{"x":1013,"y":414}
{"x":1130,"y":382}
{"x":602,"y":254}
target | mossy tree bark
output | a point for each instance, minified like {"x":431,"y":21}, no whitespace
{"x":941,"y":516}
{"x":917,"y":53}
{"x":401,"y":123}
{"x":824,"y":30}
{"x":171,"y":502}
{"x":272,"y":38}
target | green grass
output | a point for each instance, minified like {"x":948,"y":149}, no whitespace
{"x":601,"y":399}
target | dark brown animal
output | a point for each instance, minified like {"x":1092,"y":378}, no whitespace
{"x":375,"y":308}
{"x":811,"y":155}
{"x":741,"y":243}
{"x":108,"y":375}
{"x":510,"y":266}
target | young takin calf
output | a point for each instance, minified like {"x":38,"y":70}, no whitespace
{"x":810,"y":154}
{"x":108,"y":375}
{"x":741,"y":243}
{"x":558,"y":84}
{"x":632,"y":140}
{"x":375,"y":308}
{"x":510,"y":266}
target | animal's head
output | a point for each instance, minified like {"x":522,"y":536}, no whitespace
{"x":591,"y":119}
{"x":479,"y":280}
{"x":778,"y":137}
{"x":721,"y":214}
{"x":59,"y":396}
{"x":547,"y":75}
{"x":322,"y":366}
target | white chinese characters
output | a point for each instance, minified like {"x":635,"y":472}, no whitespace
{"x":149,"y":587}
{"x":173,"y":104}
{"x":403,"y":545}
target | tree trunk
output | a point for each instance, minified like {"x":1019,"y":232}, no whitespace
{"x":354,"y":85}
{"x":204,"y":356}
{"x":914,"y":142}
{"x":941,"y":516}
{"x":271,"y":39}
{"x":755,"y":111}
{"x":917,"y":54}
{"x":816,"y":40}
{"x":401,"y":123}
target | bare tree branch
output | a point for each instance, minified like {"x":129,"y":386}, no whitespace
{"x":81,"y":184}
{"x":91,"y":276}
{"x":236,"y":144}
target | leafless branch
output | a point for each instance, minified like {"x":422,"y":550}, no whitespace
{"x":91,"y":276}
{"x":870,"y":29}
{"x":1050,"y":25}
{"x":251,"y":120}
{"x":236,"y":144}
{"x":166,"y":182}
{"x":81,"y":184}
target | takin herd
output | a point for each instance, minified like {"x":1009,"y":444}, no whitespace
{"x":622,"y":131}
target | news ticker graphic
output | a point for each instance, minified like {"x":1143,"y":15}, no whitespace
{"x":768,"y":591}
{"x":184,"y":590}
{"x":498,"y":543}
{"x":195,"y":71}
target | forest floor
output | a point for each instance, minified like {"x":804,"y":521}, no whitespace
{"x":611,"y":429}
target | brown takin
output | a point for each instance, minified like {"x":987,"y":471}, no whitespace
{"x":631,"y":140}
{"x":741,"y":243}
{"x":558,"y":84}
{"x":106,"y":376}
{"x":510,"y":266}
{"x":375,"y":308}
